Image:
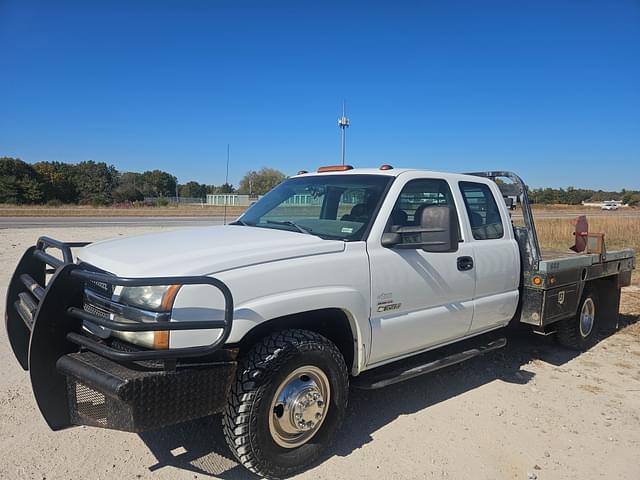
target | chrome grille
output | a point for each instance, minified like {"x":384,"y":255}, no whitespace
{"x":100,"y":288}
{"x":87,"y":307}
{"x":98,"y":311}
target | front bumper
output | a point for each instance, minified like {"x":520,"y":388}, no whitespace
{"x":103,"y":393}
{"x":78,"y":379}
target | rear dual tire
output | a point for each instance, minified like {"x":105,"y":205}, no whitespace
{"x":288,"y":401}
{"x":581,"y":331}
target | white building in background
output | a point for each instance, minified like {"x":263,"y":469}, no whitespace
{"x":231,"y":199}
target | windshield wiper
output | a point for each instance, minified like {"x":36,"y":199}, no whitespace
{"x":243,"y":223}
{"x":289,"y":223}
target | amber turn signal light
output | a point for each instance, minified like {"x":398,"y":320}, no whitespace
{"x":335,"y":168}
{"x":161,"y":338}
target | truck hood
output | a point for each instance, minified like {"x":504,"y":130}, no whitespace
{"x":201,"y":251}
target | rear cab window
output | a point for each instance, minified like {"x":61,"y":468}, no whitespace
{"x":482,"y":211}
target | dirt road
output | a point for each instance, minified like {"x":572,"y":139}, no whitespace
{"x":531,"y":410}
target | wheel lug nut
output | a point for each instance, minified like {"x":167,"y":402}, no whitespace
{"x":318,"y":415}
{"x":320,"y":403}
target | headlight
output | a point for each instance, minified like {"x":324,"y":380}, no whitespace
{"x":157,"y":298}
{"x":154,"y":298}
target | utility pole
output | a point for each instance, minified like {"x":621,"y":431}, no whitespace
{"x":226,"y":183}
{"x":343,"y":123}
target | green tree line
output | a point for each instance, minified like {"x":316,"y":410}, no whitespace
{"x":97,"y":183}
{"x":575,"y":196}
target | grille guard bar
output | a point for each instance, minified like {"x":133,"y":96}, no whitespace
{"x":44,"y":321}
{"x":175,"y":353}
{"x":27,"y":304}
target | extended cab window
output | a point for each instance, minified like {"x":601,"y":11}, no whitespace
{"x":414,"y":198}
{"x":482,"y":209}
{"x":329,"y":206}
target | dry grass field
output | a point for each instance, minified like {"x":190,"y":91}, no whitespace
{"x":620,"y":232}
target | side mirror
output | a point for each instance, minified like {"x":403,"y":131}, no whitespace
{"x":438,"y":231}
{"x":391,"y":239}
{"x":440,"y":224}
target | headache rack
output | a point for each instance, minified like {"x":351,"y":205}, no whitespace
{"x":53,"y":308}
{"x":526,"y":236}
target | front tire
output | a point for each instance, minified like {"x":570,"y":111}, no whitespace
{"x":581,"y":331}
{"x":288,"y":401}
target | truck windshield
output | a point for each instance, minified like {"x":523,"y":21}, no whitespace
{"x":328,"y":206}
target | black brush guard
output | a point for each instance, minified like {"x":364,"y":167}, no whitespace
{"x":78,"y":379}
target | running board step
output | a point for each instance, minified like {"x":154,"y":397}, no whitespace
{"x":425,"y":363}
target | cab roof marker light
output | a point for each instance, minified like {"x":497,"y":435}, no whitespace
{"x":386,"y":166}
{"x":302,"y":172}
{"x":335,"y":168}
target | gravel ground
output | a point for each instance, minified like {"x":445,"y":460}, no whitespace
{"x":529,"y":411}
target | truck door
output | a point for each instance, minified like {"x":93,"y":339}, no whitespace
{"x":419,"y":299}
{"x":495,"y":250}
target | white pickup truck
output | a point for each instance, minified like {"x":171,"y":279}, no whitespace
{"x":342,"y":276}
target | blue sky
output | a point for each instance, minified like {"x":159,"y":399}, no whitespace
{"x":550,"y":89}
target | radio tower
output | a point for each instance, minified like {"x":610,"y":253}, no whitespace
{"x":343,"y":123}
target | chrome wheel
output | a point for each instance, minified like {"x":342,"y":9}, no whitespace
{"x":587,"y":317}
{"x":299,"y":406}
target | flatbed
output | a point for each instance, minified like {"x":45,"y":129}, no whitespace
{"x":553,"y":281}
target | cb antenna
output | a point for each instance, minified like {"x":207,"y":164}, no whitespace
{"x":343,"y":123}
{"x":226,"y":182}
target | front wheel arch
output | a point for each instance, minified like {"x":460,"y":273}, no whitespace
{"x":333,"y":323}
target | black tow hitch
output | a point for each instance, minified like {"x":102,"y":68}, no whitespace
{"x":78,"y":379}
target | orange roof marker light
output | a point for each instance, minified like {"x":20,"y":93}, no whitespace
{"x":335,"y":168}
{"x":386,"y":166}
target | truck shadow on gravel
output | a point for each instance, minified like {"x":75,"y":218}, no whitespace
{"x":199,"y":446}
